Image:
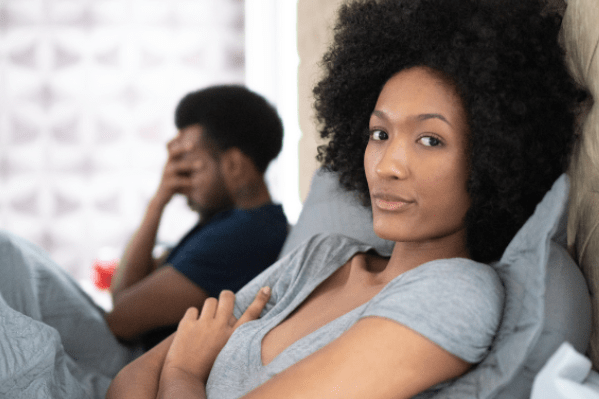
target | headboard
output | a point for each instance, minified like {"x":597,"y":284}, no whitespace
{"x":580,"y":35}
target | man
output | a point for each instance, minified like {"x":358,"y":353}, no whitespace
{"x":227,"y":137}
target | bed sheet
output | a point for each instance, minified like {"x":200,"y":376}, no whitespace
{"x":54,"y":342}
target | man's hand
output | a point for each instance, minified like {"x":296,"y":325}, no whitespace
{"x":199,"y":340}
{"x":176,"y":175}
{"x":137,"y":262}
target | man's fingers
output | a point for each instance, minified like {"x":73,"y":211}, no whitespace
{"x":255,"y":309}
{"x":177,"y":147}
{"x":180,"y":182}
{"x":178,"y":166}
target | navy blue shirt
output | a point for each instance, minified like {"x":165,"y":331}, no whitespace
{"x":232,"y":248}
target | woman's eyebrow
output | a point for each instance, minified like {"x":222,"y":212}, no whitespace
{"x":419,"y":118}
{"x":424,"y":117}
{"x":379,"y":114}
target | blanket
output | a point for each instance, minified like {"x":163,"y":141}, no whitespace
{"x":54,"y":342}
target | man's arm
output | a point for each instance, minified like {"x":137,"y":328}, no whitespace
{"x":137,"y":262}
{"x":145,"y":297}
{"x":158,"y":300}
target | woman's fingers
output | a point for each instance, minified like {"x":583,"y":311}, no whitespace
{"x":191,"y":314}
{"x":255,"y":309}
{"x":209,"y":309}
{"x":222,"y":309}
{"x":226,"y":302}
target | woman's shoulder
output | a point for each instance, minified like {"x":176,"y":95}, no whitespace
{"x":453,"y":283}
{"x":459,"y":268}
{"x":456,"y":303}
{"x":456,"y":276}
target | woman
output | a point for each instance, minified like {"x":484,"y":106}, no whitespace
{"x":451,"y":119}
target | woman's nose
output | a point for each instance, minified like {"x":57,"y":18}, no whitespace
{"x":393,"y":162}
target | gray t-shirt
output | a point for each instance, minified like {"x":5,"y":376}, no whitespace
{"x":456,"y":303}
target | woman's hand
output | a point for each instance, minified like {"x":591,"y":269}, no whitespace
{"x":199,"y":340}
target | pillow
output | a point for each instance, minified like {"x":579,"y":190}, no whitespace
{"x":331,"y":209}
{"x":580,"y":34}
{"x":547,"y":301}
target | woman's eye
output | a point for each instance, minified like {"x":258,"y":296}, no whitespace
{"x":430,"y":141}
{"x":379,"y":135}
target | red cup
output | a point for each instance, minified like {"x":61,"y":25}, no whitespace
{"x":102,"y":273}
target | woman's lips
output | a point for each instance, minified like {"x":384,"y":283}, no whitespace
{"x":391,"y":203}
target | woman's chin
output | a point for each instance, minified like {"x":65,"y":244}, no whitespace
{"x":385,"y":234}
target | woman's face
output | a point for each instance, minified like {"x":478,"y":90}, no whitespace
{"x":416,"y":160}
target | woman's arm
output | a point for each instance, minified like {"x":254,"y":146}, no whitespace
{"x":139,"y":379}
{"x":198,"y":341}
{"x":380,"y":357}
{"x":179,"y":366}
{"x":375,"y":358}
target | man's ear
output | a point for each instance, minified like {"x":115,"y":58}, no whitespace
{"x":234,"y":164}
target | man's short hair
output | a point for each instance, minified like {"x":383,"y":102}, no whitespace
{"x":233,"y":116}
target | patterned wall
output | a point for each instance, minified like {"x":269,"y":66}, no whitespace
{"x":87,"y":93}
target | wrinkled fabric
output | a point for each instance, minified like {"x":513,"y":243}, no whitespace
{"x":54,"y":342}
{"x":567,"y":375}
{"x":455,"y":303}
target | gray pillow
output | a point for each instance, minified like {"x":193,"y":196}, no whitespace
{"x":547,"y":300}
{"x":331,"y":209}
{"x":547,"y":303}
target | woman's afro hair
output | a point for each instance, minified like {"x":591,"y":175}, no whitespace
{"x":504,"y":60}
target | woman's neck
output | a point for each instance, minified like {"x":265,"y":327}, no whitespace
{"x":408,"y":255}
